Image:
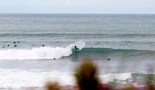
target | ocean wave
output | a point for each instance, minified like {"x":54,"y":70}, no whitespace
{"x":113,"y":54}
{"x":87,"y":51}
{"x":41,"y":52}
{"x":11,"y":78}
{"x":14,"y":78}
{"x":69,"y":51}
{"x":112,"y":49}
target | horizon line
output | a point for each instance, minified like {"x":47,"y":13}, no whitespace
{"x":85,"y":13}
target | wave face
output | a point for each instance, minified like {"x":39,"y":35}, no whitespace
{"x":41,"y":52}
{"x":70,"y":52}
{"x":119,"y":54}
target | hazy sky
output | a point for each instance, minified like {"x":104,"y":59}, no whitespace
{"x":78,"y":6}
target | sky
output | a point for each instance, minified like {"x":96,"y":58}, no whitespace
{"x":78,"y":6}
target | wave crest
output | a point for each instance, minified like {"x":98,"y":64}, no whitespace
{"x":41,"y":52}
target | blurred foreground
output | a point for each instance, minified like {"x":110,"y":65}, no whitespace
{"x":86,"y":76}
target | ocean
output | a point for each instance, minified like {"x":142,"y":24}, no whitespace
{"x":36,"y":48}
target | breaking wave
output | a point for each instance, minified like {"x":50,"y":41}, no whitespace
{"x":40,"y":52}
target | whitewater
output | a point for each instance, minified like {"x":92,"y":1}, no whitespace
{"x":46,"y":48}
{"x":41,"y":52}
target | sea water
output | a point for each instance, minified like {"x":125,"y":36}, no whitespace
{"x":36,"y":48}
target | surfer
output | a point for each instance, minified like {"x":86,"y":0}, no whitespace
{"x":108,"y":59}
{"x":14,"y":42}
{"x":43,"y":45}
{"x":76,"y":47}
{"x":18,"y":41}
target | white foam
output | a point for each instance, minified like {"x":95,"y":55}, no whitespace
{"x":111,"y":77}
{"x":41,"y":52}
{"x":10,"y":78}
{"x":18,"y":78}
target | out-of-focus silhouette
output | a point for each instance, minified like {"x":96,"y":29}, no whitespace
{"x":52,"y":86}
{"x":87,"y":76}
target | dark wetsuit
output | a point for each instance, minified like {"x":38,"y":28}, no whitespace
{"x":75,"y":47}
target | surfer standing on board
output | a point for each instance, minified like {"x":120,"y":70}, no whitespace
{"x":77,"y":49}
